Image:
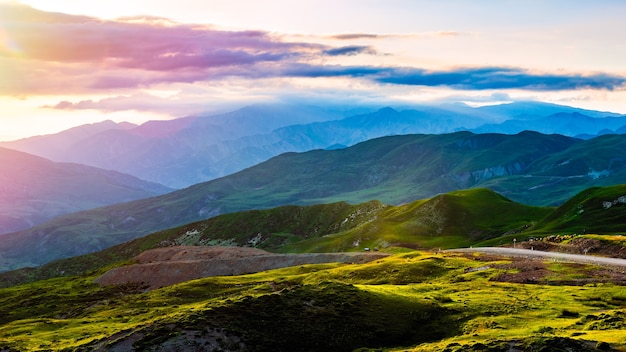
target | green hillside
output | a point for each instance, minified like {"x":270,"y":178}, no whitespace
{"x":595,"y":210}
{"x":393,"y":170}
{"x":456,"y":219}
{"x":599,"y":157}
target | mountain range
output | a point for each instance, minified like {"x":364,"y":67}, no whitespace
{"x":185,"y":151}
{"x":176,"y":153}
{"x":528,"y":167}
{"x":34,"y":189}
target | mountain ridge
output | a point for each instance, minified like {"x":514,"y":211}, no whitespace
{"x":34,"y":189}
{"x":178,"y":152}
{"x":198,"y":148}
{"x":395,"y":170}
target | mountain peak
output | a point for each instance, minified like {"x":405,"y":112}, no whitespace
{"x":387,"y":110}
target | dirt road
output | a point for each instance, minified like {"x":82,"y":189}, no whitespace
{"x":514,"y":252}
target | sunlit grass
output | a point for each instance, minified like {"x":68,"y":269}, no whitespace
{"x":515,"y":312}
{"x":69,"y":313}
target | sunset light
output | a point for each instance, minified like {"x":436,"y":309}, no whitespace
{"x":73,"y":52}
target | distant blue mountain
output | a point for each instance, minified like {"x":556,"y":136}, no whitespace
{"x":532,"y":110}
{"x":189,"y":150}
{"x":565,"y":123}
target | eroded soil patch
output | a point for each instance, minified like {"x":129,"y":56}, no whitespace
{"x":171,"y":265}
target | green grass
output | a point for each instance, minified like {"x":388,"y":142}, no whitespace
{"x":411,"y":301}
{"x":617,"y":240}
{"x":586,"y":212}
{"x":456,"y":219}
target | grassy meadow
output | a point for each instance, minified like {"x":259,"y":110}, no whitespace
{"x":410,"y":301}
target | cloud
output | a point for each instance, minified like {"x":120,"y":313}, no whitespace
{"x":480,"y":98}
{"x":448,"y":33}
{"x":350,"y":50}
{"x":135,"y":102}
{"x":500,"y":78}
{"x":358,"y":36}
{"x":96,"y":54}
{"x":147,"y":45}
{"x":352,"y":36}
{"x":64,"y":54}
{"x":178,"y":104}
{"x":481,"y":78}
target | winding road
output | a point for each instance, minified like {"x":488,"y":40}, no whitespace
{"x":527,"y":253}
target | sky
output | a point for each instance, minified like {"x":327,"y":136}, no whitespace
{"x":70,"y":62}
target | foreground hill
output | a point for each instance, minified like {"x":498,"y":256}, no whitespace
{"x":167,"y":266}
{"x":157,"y":293}
{"x":528,"y":168}
{"x":34,"y":190}
{"x":410,"y":301}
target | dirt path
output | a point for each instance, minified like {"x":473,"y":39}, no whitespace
{"x":527,"y":253}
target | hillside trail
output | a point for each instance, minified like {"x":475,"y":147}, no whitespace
{"x":528,"y":253}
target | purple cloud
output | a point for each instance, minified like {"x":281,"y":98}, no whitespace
{"x":69,"y":54}
{"x":148,"y":45}
{"x":138,"y":102}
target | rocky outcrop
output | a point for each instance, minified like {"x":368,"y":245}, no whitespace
{"x":471,"y":178}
